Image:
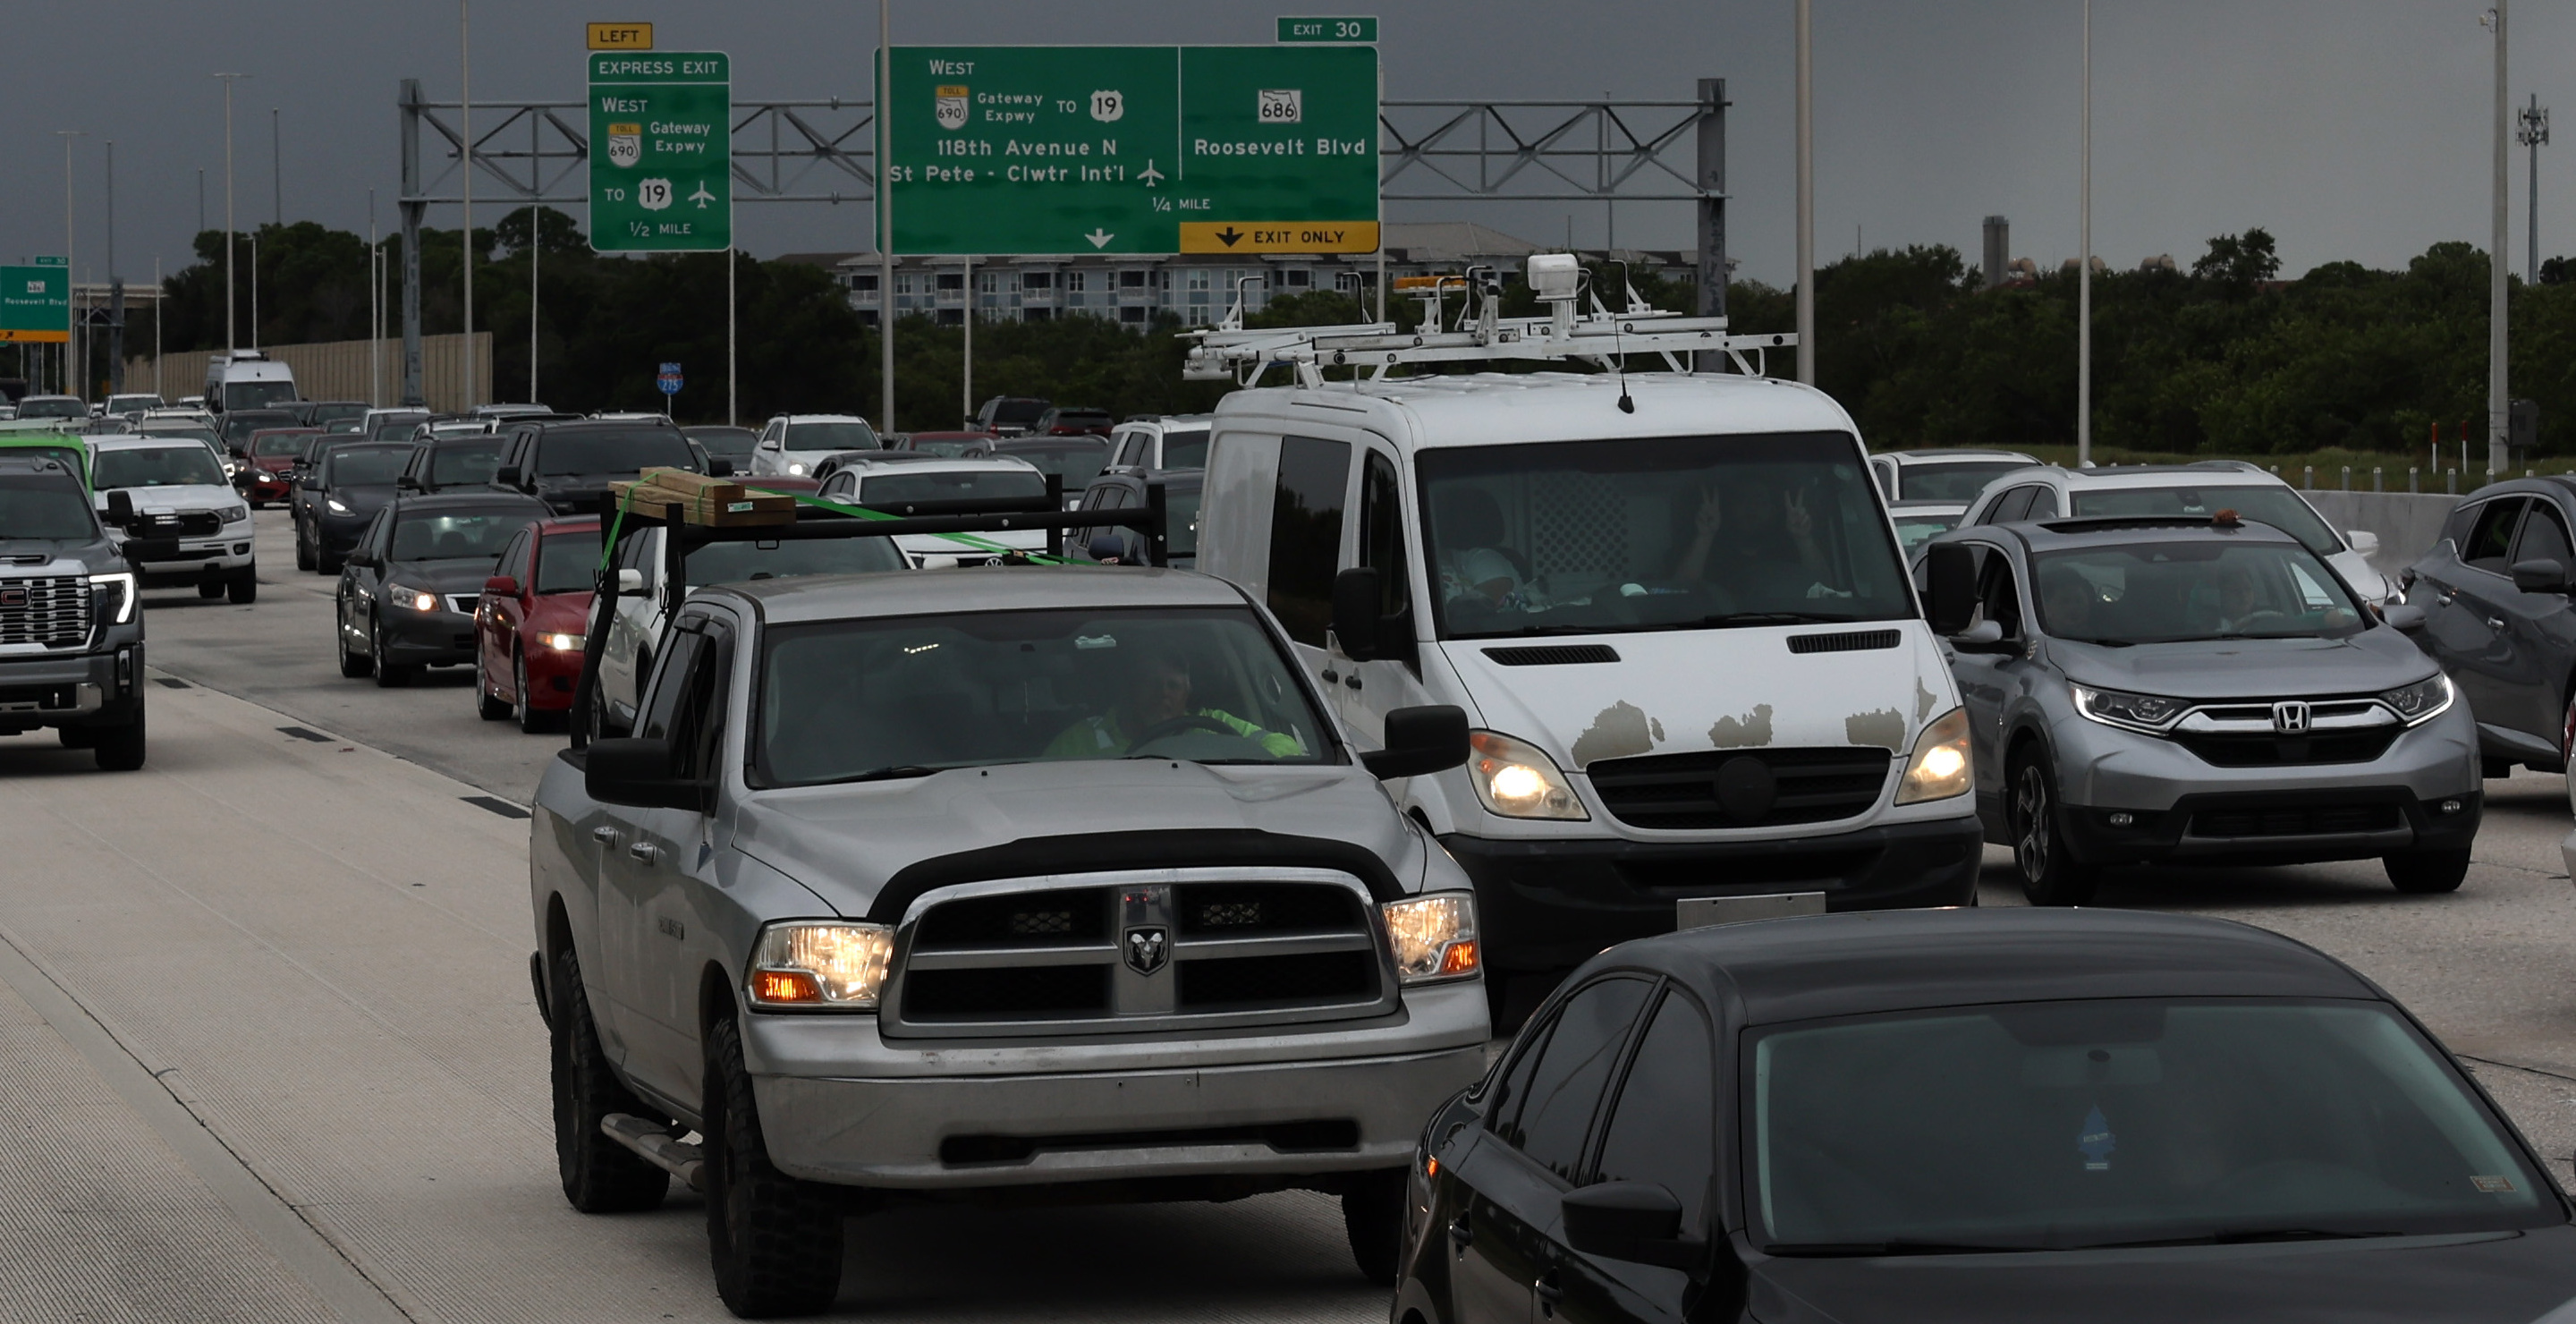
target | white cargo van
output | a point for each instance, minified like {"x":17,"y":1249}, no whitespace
{"x":1671,"y":604}
{"x":247,"y":379}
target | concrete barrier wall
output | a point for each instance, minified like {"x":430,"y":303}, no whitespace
{"x":2406,"y":523}
{"x":338,"y":370}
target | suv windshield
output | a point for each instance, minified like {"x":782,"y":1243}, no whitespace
{"x":1958,"y":480}
{"x":326,"y":413}
{"x":568,"y":562}
{"x":239,"y":424}
{"x":2056,"y":1125}
{"x":831,"y":437}
{"x":728,"y":443}
{"x":188,"y":465}
{"x":2167,"y":592}
{"x":954,"y":485}
{"x":1018,"y":411}
{"x":453,"y":535}
{"x":454,"y":464}
{"x":364,"y":466}
{"x":1591,"y":537}
{"x":734,"y":562}
{"x":906,"y":696}
{"x":620,"y":452}
{"x":2263,"y":504}
{"x":44,"y":501}
{"x":395,"y":425}
{"x":251,"y":395}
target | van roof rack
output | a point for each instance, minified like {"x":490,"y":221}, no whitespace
{"x":1478,"y":333}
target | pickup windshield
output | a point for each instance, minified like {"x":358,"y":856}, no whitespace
{"x":735,"y":562}
{"x":955,"y":485}
{"x":2169,"y":592}
{"x":2058,"y":1125}
{"x":43,"y":502}
{"x":186,"y":465}
{"x":907,"y":696}
{"x":2277,"y":506}
{"x":1596,"y":537}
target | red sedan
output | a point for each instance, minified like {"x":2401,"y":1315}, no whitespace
{"x":528,"y":625}
{"x":274,"y":453}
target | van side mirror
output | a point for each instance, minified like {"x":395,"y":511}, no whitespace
{"x":509,"y":475}
{"x":120,"y":508}
{"x":1950,"y":601}
{"x":2542,"y":576}
{"x":637,"y":773}
{"x":1635,"y":1221}
{"x":1106,"y":546}
{"x":1420,"y":741}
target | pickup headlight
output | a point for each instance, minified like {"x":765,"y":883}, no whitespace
{"x":334,"y":504}
{"x":569,"y":643}
{"x":112,"y":592}
{"x":1939,"y":768}
{"x":819,"y":963}
{"x":1517,"y":779}
{"x":2137,"y":712}
{"x":1434,"y":936}
{"x":2422,"y":701}
{"x":413,"y":598}
{"x":234,"y":514}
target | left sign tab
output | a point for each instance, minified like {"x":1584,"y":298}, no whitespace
{"x":621,"y":36}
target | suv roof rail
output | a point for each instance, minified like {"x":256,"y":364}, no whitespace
{"x":2098,"y":523}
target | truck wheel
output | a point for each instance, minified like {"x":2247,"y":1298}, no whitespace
{"x":600,"y":1176}
{"x":1373,"y":1218}
{"x":119,"y":748}
{"x":2050,"y":874}
{"x":775,"y":1241}
{"x":2423,"y":872}
{"x":388,"y":675}
{"x":244,"y":589}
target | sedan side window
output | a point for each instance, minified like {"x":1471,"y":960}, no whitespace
{"x":2544,"y":538}
{"x":2491,"y":538}
{"x":1663,"y":1128}
{"x":1573,"y":1068}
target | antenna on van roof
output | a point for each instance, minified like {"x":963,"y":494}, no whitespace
{"x":1627,"y":304}
{"x":1566,"y":332}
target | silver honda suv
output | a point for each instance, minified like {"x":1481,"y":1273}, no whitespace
{"x":2154,"y":690}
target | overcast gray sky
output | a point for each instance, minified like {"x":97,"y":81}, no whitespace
{"x":2350,"y":128}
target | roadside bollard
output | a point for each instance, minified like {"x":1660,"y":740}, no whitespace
{"x":2375,"y":484}
{"x":2347,"y":478}
{"x":2308,"y":477}
{"x":2451,"y":478}
{"x":2413,"y":473}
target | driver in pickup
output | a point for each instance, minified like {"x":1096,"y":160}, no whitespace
{"x":1154,"y":702}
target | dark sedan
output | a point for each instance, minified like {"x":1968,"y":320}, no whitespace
{"x":439,"y":464}
{"x":1963,"y":1115}
{"x":2495,"y":593}
{"x":344,"y":490}
{"x":408,"y":596}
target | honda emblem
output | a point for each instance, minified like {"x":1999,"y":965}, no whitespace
{"x":2290,"y":717}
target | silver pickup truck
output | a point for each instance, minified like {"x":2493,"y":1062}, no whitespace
{"x":913,"y":885}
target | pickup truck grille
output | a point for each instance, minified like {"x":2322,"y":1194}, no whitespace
{"x":1775,"y":787}
{"x":47,"y":610}
{"x":1152,"y":951}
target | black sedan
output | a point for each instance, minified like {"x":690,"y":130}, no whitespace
{"x":348,"y":483}
{"x":2494,"y":591}
{"x":407,"y":598}
{"x":1964,"y":1115}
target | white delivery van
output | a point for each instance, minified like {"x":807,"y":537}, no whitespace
{"x":1671,"y":604}
{"x":247,"y":379}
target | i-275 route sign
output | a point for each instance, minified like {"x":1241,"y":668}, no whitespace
{"x":1133,"y":149}
{"x":661,"y":159}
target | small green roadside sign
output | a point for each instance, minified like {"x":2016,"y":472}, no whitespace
{"x":1328,"y":29}
{"x":661,"y":158}
{"x":36,"y":303}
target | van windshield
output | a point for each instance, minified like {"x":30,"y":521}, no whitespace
{"x":251,"y":395}
{"x":1666,"y":533}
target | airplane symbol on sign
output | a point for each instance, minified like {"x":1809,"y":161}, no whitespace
{"x":702,"y":197}
{"x":1228,"y":236}
{"x":1149,"y":174}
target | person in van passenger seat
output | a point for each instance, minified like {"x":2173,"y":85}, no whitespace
{"x":1473,"y":556}
{"x":1754,"y":536}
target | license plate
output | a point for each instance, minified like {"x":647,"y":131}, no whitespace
{"x":1700,"y":912}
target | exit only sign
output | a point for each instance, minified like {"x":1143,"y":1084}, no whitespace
{"x":1328,"y":29}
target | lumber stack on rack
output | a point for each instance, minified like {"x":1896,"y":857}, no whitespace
{"x":704,"y":500}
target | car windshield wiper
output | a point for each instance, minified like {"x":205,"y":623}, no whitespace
{"x":887,"y":773}
{"x":2241,"y":1236}
{"x":1897,"y":1246}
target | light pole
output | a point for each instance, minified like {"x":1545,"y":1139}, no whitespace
{"x":465,"y":153}
{"x":375,"y":310}
{"x":276,"y":173}
{"x":2499,"y":419}
{"x":2084,"y":272}
{"x":2534,"y":134}
{"x":1806,"y":208}
{"x":232,"y":331}
{"x":885,"y":210}
{"x":71,"y":355}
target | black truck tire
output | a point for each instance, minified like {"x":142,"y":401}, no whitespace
{"x":775,"y":1241}
{"x":600,"y":1176}
{"x":244,"y":588}
{"x":119,"y":748}
{"x":1373,"y":1219}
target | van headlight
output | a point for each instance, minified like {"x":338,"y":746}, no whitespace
{"x":2422,"y":701}
{"x":1939,"y":768}
{"x":819,"y":963}
{"x":2137,"y":712}
{"x":1516,"y":779}
{"x":1434,"y":936}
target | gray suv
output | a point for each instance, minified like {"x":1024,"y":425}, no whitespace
{"x":2195,"y":691}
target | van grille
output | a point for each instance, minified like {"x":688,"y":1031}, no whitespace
{"x":1856,"y":641}
{"x":49,"y":610}
{"x":1140,"y":956}
{"x":1765,"y":788}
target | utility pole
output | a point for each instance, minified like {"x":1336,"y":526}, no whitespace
{"x":536,"y":213}
{"x":276,"y":173}
{"x":966,"y":387}
{"x":160,"y":301}
{"x":73,"y":383}
{"x":375,"y":309}
{"x":885,"y":211}
{"x":201,"y":200}
{"x":115,"y":288}
{"x":2534,"y":134}
{"x":232,"y":330}
{"x":254,"y":291}
{"x":2084,"y":272}
{"x":2499,"y":419}
{"x":465,"y":154}
{"x":1806,"y":207}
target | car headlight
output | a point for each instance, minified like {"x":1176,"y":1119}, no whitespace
{"x":2137,"y":712}
{"x":819,"y":963}
{"x":569,"y":643}
{"x":796,"y":470}
{"x":1939,"y":768}
{"x":114,"y":591}
{"x":1516,"y":779}
{"x":412,"y":598}
{"x":334,"y":504}
{"x":1434,"y":936}
{"x":2422,"y":701}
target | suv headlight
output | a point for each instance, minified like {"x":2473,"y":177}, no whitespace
{"x":112,"y":592}
{"x":2422,"y":701}
{"x":1517,"y":779}
{"x":413,"y":598}
{"x":819,"y":963}
{"x":2137,"y":712}
{"x":1434,"y":936}
{"x":1939,"y":768}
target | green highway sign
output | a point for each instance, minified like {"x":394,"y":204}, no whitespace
{"x":1132,"y":149}
{"x":661,"y":151}
{"x":1328,"y":29}
{"x":36,"y":302}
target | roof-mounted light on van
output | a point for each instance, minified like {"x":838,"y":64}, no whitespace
{"x":1554,"y":275}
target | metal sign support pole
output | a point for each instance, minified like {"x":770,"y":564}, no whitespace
{"x":1712,"y":211}
{"x":966,"y":391}
{"x":731,"y":313}
{"x":412,"y":211}
{"x":885,"y":212}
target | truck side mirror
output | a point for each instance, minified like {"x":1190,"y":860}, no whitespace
{"x":1106,"y":546}
{"x":1355,"y":599}
{"x":719,"y":467}
{"x":1950,"y":601}
{"x":1639,"y":1222}
{"x":637,"y":773}
{"x":120,"y":508}
{"x":1420,"y":741}
{"x":630,"y":581}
